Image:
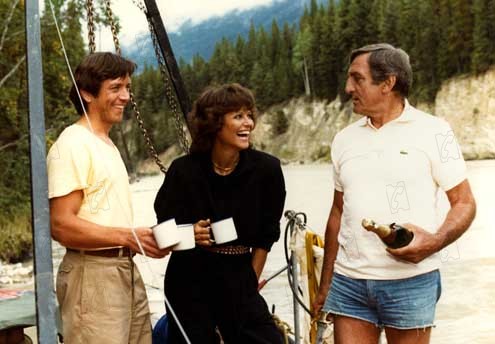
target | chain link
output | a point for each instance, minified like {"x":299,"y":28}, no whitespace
{"x":91,"y":26}
{"x":140,"y":5}
{"x":149,"y":142}
{"x":169,"y":94}
{"x":113,"y":27}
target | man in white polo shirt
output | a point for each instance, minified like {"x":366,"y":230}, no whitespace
{"x":389,"y":166}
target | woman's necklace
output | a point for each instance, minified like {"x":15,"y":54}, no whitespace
{"x":223,"y":171}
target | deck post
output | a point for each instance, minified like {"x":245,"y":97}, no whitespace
{"x":46,"y":307}
{"x":295,"y":279}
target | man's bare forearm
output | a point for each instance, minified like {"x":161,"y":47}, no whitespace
{"x":72,"y":231}
{"x":459,"y":217}
{"x":331,"y":248}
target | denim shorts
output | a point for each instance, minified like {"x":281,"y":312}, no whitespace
{"x":402,"y":304}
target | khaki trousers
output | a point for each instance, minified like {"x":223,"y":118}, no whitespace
{"x":102,"y":300}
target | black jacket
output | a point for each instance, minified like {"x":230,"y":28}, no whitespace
{"x":253,"y":194}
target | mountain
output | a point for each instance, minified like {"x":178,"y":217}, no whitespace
{"x":191,"y":39}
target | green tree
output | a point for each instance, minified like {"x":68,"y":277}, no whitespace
{"x":315,"y":63}
{"x":426,"y":75}
{"x":300,"y":58}
{"x":241,"y":55}
{"x":251,"y":48}
{"x":483,"y":35}
{"x":14,"y":149}
{"x":261,"y":79}
{"x":461,"y":35}
{"x":201,"y":70}
{"x":446,"y":64}
{"x":377,"y":19}
{"x":389,"y":32}
{"x":409,"y":25}
{"x":295,"y":87}
{"x":275,"y":44}
{"x":328,"y":60}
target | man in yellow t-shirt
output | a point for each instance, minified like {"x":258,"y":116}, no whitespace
{"x":100,"y":291}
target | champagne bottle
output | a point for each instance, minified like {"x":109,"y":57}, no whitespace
{"x":393,"y":235}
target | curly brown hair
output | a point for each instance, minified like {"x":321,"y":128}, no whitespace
{"x":206,"y":117}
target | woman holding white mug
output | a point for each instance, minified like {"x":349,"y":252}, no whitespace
{"x":224,"y":182}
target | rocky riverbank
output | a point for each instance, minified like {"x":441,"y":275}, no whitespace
{"x":300,"y":131}
{"x":16,"y":274}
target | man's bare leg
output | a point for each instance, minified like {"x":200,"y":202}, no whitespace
{"x":414,"y":336}
{"x":354,"y":331}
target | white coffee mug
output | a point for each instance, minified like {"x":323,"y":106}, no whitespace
{"x":224,"y":231}
{"x":166,"y":233}
{"x":186,"y":237}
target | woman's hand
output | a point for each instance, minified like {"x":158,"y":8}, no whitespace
{"x":202,"y":231}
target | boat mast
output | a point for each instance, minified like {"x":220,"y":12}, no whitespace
{"x":166,"y":49}
{"x":46,"y":307}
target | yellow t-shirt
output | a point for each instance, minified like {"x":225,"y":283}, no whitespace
{"x":79,"y":160}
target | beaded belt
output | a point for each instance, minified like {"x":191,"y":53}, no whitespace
{"x":232,"y":250}
{"x":110,"y":252}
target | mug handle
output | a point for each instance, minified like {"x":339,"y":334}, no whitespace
{"x":212,"y":237}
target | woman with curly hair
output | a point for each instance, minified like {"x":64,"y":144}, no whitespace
{"x":215,"y":286}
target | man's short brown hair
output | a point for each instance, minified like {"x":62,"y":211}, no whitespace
{"x":93,"y":70}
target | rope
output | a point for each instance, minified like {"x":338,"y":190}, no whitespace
{"x":319,"y":324}
{"x":310,"y":240}
{"x":322,"y":326}
{"x":169,"y":306}
{"x":283,"y":327}
{"x":293,"y":221}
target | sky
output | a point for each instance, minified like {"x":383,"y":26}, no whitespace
{"x":173,"y":12}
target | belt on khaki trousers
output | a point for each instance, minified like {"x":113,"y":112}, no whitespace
{"x":109,"y":252}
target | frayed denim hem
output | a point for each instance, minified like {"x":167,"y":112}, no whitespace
{"x":353,"y":316}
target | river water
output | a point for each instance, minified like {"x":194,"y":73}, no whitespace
{"x":466,"y":310}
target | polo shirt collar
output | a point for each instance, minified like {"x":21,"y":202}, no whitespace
{"x":407,"y":115}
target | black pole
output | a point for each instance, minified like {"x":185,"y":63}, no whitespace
{"x":43,"y":268}
{"x":166,"y":49}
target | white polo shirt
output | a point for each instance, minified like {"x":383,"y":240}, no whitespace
{"x":392,"y":174}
